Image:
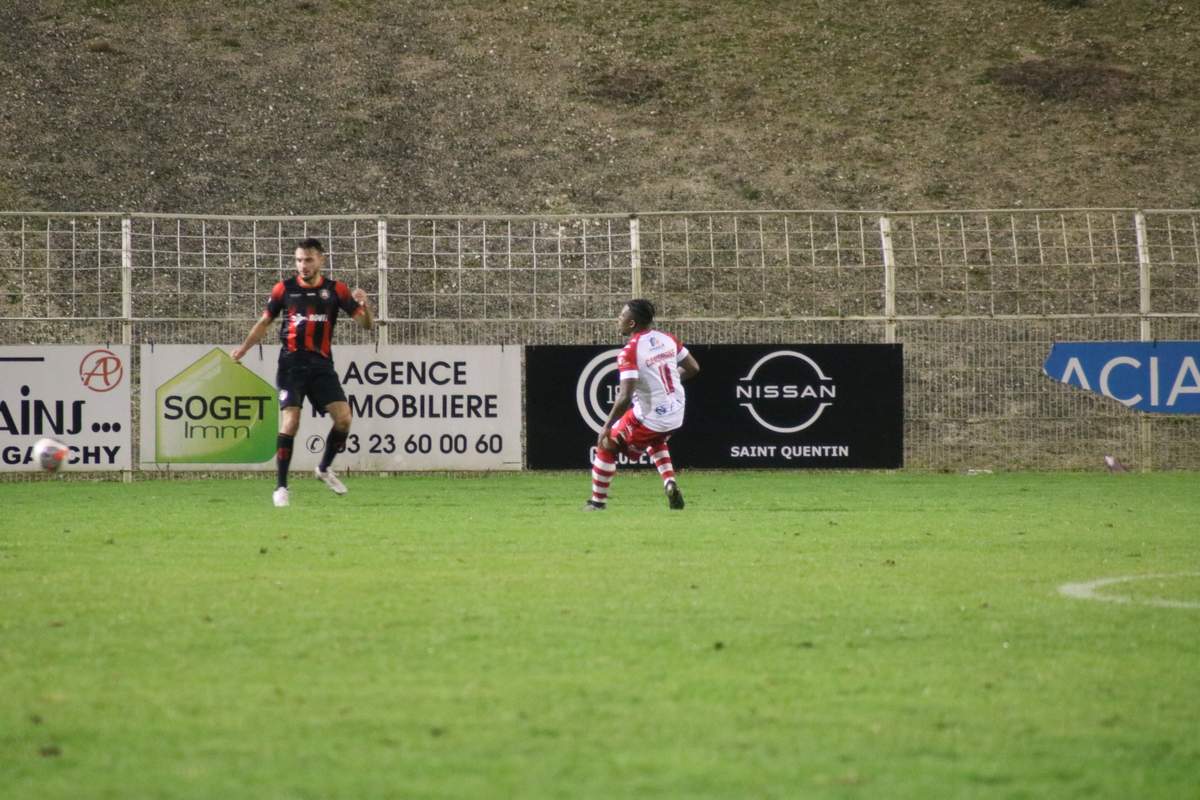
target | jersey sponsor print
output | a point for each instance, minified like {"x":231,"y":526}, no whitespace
{"x":309,"y":313}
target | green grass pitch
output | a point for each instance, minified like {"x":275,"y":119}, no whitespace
{"x":786,"y":635}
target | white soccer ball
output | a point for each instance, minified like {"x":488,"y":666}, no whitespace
{"x":50,"y":454}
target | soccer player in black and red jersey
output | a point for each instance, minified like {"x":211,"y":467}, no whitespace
{"x":311,"y":303}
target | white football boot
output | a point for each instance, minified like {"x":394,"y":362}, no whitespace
{"x":329,"y":479}
{"x":280,"y":497}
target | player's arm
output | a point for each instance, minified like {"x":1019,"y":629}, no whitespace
{"x":688,"y":368}
{"x":363,"y":314}
{"x":259,"y":330}
{"x":620,"y":406}
{"x":254,"y":337}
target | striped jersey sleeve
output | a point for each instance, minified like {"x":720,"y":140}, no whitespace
{"x":275,"y":303}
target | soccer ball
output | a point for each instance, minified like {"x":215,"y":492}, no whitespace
{"x":50,"y":454}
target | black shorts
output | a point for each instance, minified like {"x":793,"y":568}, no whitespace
{"x":303,"y":375}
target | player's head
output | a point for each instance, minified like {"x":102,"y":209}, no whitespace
{"x":310,"y":259}
{"x":637,"y":315}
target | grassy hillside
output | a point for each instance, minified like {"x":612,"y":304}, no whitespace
{"x":335,"y":106}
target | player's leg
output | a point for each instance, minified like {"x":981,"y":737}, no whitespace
{"x":604,"y":463}
{"x":291,"y":396}
{"x":328,"y":395}
{"x":661,"y":456}
{"x":335,"y":442}
{"x":289,"y":423}
{"x":604,"y":467}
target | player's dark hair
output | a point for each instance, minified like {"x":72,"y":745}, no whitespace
{"x":311,"y":244}
{"x":642,"y":311}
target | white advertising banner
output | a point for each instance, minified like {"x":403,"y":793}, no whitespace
{"x":414,"y":407}
{"x":77,"y":394}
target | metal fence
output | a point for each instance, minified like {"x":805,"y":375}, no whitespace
{"x":976,"y":297}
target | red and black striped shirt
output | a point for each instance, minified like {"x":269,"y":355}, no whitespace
{"x":310,"y":312}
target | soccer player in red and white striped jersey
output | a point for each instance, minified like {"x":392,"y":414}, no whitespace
{"x":310,"y":304}
{"x":649,"y":406}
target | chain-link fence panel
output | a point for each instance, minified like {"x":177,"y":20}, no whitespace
{"x":977,"y":298}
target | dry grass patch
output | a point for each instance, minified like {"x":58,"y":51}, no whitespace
{"x":1058,"y":80}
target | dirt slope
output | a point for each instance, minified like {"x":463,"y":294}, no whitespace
{"x":320,"y":106}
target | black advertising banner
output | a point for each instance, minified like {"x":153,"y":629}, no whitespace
{"x":814,"y":406}
{"x":811,"y":406}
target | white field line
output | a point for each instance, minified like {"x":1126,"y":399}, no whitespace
{"x":1090,"y":591}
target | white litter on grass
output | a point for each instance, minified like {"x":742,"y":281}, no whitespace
{"x":1089,"y":591}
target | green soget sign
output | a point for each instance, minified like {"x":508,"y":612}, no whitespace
{"x":429,"y":407}
{"x":213,"y":411}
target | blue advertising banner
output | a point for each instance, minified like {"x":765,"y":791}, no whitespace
{"x":1158,"y":377}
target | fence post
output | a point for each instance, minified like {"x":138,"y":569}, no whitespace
{"x":127,"y":323}
{"x":126,"y":280}
{"x":635,"y":255}
{"x":1143,"y":250}
{"x":381,"y":261}
{"x":1145,"y":425}
{"x":889,"y":280}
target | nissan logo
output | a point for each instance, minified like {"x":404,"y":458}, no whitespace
{"x":786,"y":391}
